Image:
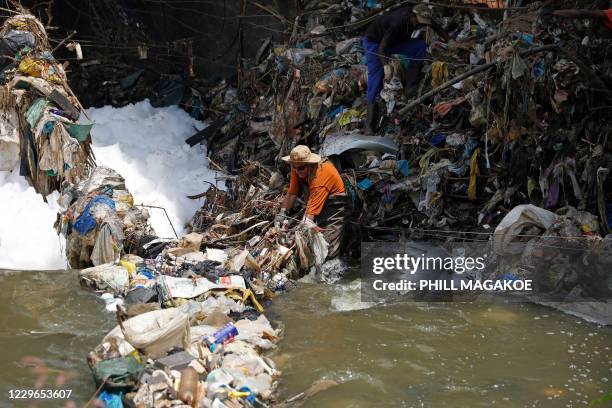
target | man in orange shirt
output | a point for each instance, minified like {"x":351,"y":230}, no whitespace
{"x":327,"y":205}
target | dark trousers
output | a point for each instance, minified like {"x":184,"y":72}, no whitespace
{"x":413,"y":48}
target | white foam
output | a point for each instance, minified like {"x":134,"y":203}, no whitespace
{"x":348,"y":297}
{"x":27,"y":238}
{"x":146,"y":145}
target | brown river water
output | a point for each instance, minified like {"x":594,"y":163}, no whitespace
{"x":402,"y":355}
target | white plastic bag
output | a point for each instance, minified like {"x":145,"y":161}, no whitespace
{"x":514,"y":222}
{"x":157,"y":331}
{"x":109,"y":276}
{"x":186,"y":288}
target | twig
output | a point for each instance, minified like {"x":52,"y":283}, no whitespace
{"x":272,"y":12}
{"x":93,"y":397}
{"x":72,"y":34}
{"x":9,"y":10}
{"x":259,"y":224}
{"x":160,"y":208}
{"x":447,"y":84}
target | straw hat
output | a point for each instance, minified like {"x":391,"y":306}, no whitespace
{"x":302,"y":154}
{"x":423,"y":14}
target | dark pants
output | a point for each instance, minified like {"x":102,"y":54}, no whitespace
{"x":333,"y":220}
{"x":413,"y":48}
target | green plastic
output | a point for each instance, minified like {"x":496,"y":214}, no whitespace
{"x":117,"y":372}
{"x":79,"y":131}
{"x":35,"y":111}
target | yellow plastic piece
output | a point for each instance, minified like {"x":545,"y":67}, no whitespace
{"x":131,"y":267}
{"x":32,"y":67}
{"x":238,"y":394}
{"x":136,"y":356}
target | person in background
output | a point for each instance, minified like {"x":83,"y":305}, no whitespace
{"x":391,"y":34}
{"x":327,"y":205}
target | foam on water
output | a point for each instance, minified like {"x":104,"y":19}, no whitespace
{"x":146,"y":145}
{"x":27,"y":238}
{"x":348,"y":297}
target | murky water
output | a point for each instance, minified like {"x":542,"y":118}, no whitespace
{"x":410,"y":355}
{"x":49,"y":324}
{"x":438,"y":355}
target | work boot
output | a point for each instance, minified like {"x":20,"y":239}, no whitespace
{"x":412,"y":78}
{"x":371,"y":119}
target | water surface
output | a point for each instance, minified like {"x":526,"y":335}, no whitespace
{"x":403,"y":355}
{"x":49,"y":324}
{"x":438,"y":355}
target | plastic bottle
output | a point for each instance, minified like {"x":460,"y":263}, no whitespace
{"x":188,"y":387}
{"x":224,"y":335}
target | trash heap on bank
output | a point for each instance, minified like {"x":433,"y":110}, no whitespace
{"x":40,"y":131}
{"x":514,"y":111}
{"x":511,"y":111}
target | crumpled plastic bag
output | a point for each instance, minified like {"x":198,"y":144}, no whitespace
{"x":186,"y":288}
{"x":257,"y":333}
{"x":346,"y":46}
{"x":9,"y":138}
{"x":52,"y":158}
{"x":389,"y":98}
{"x":310,"y":245}
{"x":519,"y":67}
{"x":519,"y":218}
{"x":39,"y":69}
{"x":222,"y":304}
{"x":188,"y":243}
{"x":478,"y":114}
{"x":442,"y":109}
{"x":298,"y":56}
{"x":102,"y":176}
{"x":106,"y":276}
{"x":157,"y":331}
{"x":350,"y":116}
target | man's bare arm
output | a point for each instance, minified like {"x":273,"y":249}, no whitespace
{"x":289,"y":201}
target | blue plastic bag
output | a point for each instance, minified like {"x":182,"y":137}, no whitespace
{"x":111,"y":400}
{"x":86,"y":222}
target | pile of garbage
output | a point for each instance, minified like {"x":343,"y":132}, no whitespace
{"x":40,"y":131}
{"x":191,"y":328}
{"x":512,"y":110}
{"x":99,"y":220}
{"x":562,"y":254}
{"x":239,"y":220}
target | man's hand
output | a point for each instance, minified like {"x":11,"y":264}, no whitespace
{"x":308,"y":224}
{"x":280,"y":218}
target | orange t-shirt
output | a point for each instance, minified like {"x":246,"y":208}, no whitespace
{"x":326,"y":182}
{"x":608,"y":18}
